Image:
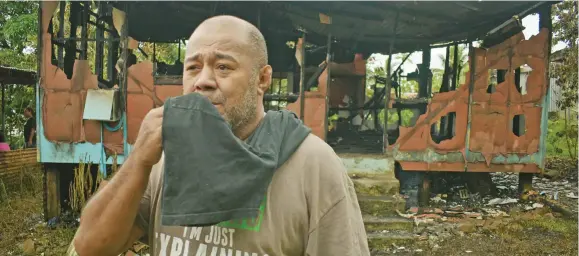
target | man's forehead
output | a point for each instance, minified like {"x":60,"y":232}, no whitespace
{"x":215,"y":42}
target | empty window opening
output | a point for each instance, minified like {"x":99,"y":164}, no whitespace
{"x":519,"y":126}
{"x":444,"y":128}
{"x":521,"y":76}
{"x":407,"y":118}
{"x":496,"y":76}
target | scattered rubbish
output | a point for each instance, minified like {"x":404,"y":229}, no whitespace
{"x":534,"y":206}
{"x":438,"y":199}
{"x":408,"y":216}
{"x":468,"y":251}
{"x":463,"y":193}
{"x":501,"y":201}
{"x":572,"y":195}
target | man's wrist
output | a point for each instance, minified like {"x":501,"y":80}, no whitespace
{"x":136,"y":162}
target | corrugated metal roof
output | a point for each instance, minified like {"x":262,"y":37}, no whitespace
{"x":364,"y":26}
{"x":9,"y":75}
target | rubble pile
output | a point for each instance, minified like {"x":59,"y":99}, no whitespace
{"x":456,"y":211}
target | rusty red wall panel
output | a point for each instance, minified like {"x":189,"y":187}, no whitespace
{"x":491,"y":131}
{"x":163,"y":92}
{"x":63,"y":110}
{"x":315,"y":111}
{"x":138,"y":105}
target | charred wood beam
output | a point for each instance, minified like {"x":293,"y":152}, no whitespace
{"x":100,"y":34}
{"x":70,"y":46}
{"x":328,"y":80}
{"x":455,"y":74}
{"x":303,"y":80}
{"x":424,"y":73}
{"x":96,"y":24}
{"x":389,"y":82}
{"x":314,"y":78}
{"x":84,"y":30}
{"x":61,"y":33}
{"x":291,"y":98}
{"x":445,"y":86}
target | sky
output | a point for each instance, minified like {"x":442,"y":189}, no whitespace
{"x":531,"y":24}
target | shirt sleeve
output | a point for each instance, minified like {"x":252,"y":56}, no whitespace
{"x":340,"y":231}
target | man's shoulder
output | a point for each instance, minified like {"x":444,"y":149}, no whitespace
{"x":313,"y":146}
{"x":314,"y":153}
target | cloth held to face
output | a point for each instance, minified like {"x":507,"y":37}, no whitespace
{"x":211,"y":176}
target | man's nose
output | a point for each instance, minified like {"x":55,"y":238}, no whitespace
{"x":205,"y":80}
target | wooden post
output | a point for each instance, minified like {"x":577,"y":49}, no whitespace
{"x":303,"y":80}
{"x":52,"y":191}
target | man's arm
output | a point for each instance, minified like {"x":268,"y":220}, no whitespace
{"x":340,"y":231}
{"x":107,"y":224}
{"x":336,"y":225}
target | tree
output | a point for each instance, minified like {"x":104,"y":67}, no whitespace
{"x":18,"y":33}
{"x":565,"y":31}
{"x":462,"y":67}
{"x":18,"y":27}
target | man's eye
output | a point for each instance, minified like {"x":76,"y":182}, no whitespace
{"x":193,"y":67}
{"x":223,"y":67}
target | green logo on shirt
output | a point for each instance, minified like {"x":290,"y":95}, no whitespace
{"x":253,"y":224}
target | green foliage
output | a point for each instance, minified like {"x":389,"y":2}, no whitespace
{"x":18,"y":97}
{"x":565,"y":30}
{"x":462,"y":68}
{"x":562,"y":136}
{"x":18,"y":34}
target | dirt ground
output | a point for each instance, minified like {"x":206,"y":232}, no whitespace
{"x":531,"y":233}
{"x":523,"y":232}
{"x":22,"y":228}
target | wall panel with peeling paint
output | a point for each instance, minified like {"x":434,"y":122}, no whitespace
{"x":494,"y":147}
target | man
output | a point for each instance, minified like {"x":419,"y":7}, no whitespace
{"x":311,"y":208}
{"x":29,"y":128}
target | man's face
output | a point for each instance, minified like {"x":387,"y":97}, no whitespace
{"x":219,"y":66}
{"x":27,"y":113}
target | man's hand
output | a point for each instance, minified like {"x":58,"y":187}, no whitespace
{"x":148,"y":147}
{"x":108,"y":224}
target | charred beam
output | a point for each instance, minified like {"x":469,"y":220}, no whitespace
{"x":303,"y":79}
{"x":389,"y":83}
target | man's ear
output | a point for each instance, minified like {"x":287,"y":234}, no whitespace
{"x":264,"y":79}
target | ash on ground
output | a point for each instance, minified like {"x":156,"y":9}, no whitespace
{"x":461,"y":204}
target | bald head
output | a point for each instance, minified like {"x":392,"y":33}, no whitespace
{"x":252,"y":39}
{"x":226,"y":60}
